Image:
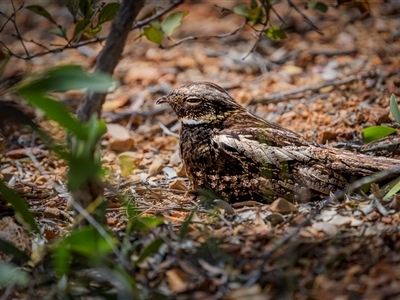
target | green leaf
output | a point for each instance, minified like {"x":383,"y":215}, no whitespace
{"x":254,"y":15}
{"x":185,"y":225}
{"x":144,"y":224}
{"x":18,"y":256}
{"x":395,"y":188}
{"x":241,"y":10}
{"x":58,"y":31}
{"x":93,"y":32}
{"x":11,"y":275}
{"x":275,"y":33}
{"x":80,"y":27}
{"x":80,"y":170}
{"x":153,"y":34}
{"x":19,"y":206}
{"x":73,"y":7}
{"x":150,"y":249}
{"x":87,"y":241}
{"x":84,"y":6}
{"x":55,"y":111}
{"x":39,"y":10}
{"x":394,"y":108}
{"x":320,"y":6}
{"x":374,"y":133}
{"x":109,"y":11}
{"x":62,"y":259}
{"x":173,"y":21}
{"x":66,"y":78}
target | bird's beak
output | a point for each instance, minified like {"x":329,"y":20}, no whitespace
{"x":163,"y":99}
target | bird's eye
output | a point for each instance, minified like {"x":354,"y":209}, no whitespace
{"x":193,"y":100}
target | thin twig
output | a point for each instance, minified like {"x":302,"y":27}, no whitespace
{"x":167,"y":131}
{"x":13,"y":20}
{"x":205,"y":37}
{"x":102,"y":232}
{"x":140,"y":24}
{"x":338,"y":195}
{"x":305,"y":17}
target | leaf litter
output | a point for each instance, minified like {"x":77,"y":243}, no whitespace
{"x":350,"y":250}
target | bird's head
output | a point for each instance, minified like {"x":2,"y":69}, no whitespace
{"x":201,"y":103}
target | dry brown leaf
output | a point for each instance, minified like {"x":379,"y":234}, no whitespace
{"x":112,"y":104}
{"x":282,"y":206}
{"x":177,"y":281}
{"x":178,"y":184}
{"x":120,"y":138}
{"x":156,"y":165}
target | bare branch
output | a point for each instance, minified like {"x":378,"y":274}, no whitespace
{"x":157,"y":15}
{"x":205,"y":37}
{"x":291,"y":4}
{"x":110,"y":55}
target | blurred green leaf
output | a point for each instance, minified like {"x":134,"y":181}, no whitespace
{"x":93,"y":32}
{"x":73,"y":7}
{"x":144,"y":224}
{"x":109,"y":11}
{"x":66,"y":78}
{"x":174,"y":20}
{"x":19,"y":256}
{"x":150,"y":249}
{"x":84,"y":6}
{"x":185,"y":225}
{"x":87,"y":241}
{"x":82,"y":164}
{"x":254,"y":4}
{"x":19,"y":206}
{"x":39,"y":10}
{"x":254,"y":15}
{"x":374,"y":133}
{"x":11,"y":275}
{"x":394,"y":186}
{"x":320,"y":6}
{"x":394,"y":108}
{"x":80,"y":27}
{"x":62,"y":259}
{"x":241,"y":10}
{"x":55,"y":111}
{"x":80,"y":170}
{"x":59,"y":31}
{"x":153,"y":34}
{"x":275,"y":33}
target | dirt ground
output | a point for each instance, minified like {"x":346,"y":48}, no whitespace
{"x":349,"y":251}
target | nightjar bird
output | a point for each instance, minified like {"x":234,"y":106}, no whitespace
{"x":241,"y":157}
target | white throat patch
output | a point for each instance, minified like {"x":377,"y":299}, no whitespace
{"x":192,"y":122}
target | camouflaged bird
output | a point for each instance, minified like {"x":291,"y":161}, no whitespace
{"x":242,"y":157}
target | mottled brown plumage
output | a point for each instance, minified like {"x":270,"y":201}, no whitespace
{"x":243,"y":157}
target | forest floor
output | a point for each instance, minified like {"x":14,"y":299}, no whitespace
{"x":351,"y":250}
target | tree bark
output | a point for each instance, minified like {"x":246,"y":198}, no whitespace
{"x":110,"y":55}
{"x":92,"y":102}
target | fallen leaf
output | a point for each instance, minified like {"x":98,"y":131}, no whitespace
{"x":156,"y":165}
{"x":282,"y":206}
{"x":112,"y":104}
{"x":178,"y":184}
{"x":177,"y":281}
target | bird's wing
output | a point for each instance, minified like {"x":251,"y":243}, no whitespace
{"x":257,"y":145}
